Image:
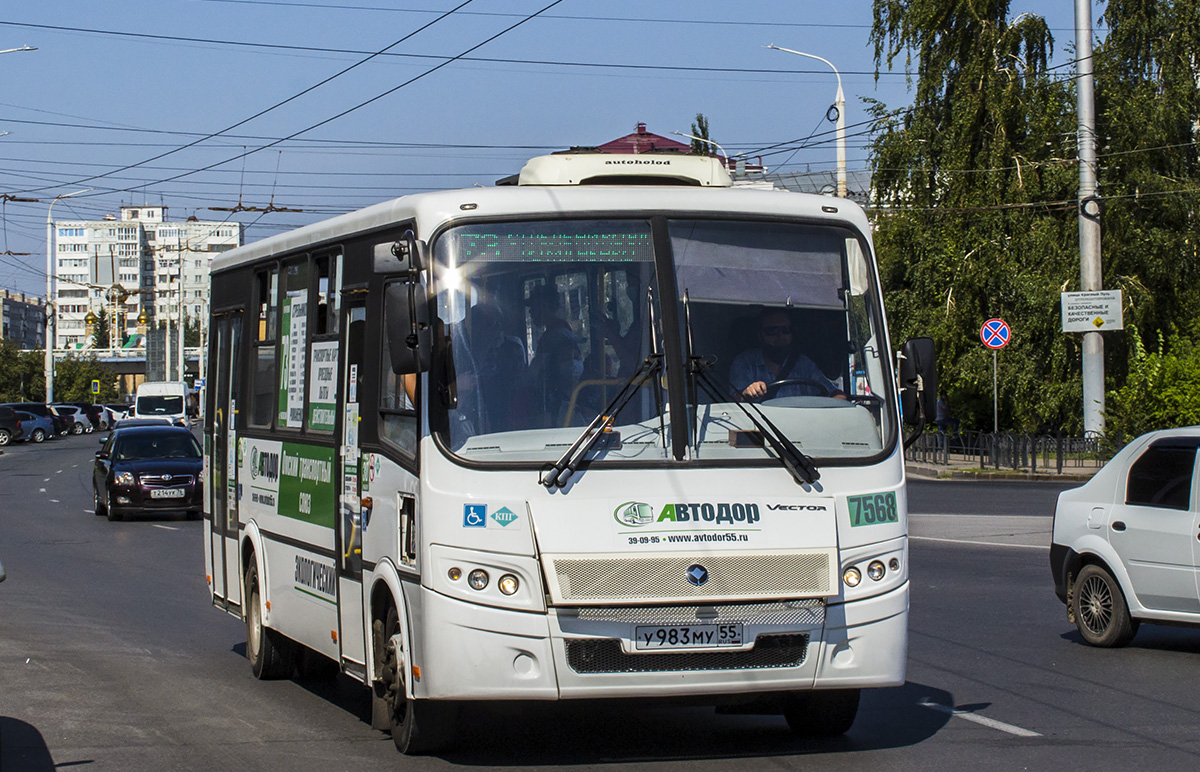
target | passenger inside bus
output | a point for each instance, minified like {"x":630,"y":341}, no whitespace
{"x":500,"y":363}
{"x":556,"y":365}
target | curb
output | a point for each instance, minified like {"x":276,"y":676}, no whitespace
{"x":931,"y":472}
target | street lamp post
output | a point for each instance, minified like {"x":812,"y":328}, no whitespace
{"x":839,"y":104}
{"x":51,"y":308}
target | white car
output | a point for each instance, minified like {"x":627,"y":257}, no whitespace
{"x":1126,"y":545}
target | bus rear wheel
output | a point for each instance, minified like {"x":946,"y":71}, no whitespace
{"x":418,"y":726}
{"x":822,"y":713}
{"x":270,"y":654}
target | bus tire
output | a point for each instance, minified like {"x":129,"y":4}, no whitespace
{"x":822,"y":713}
{"x":270,"y":654}
{"x":417,"y":726}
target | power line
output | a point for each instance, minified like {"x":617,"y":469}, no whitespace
{"x":259,"y":138}
{"x":373,"y":99}
{"x":293,"y":48}
{"x":277,"y":104}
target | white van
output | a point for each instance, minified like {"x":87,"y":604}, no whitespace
{"x":162,"y":399}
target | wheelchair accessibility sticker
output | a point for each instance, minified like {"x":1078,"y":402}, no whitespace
{"x":474,"y":515}
{"x":490,"y":516}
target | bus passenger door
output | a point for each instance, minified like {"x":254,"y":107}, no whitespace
{"x":352,"y":638}
{"x":222,"y":476}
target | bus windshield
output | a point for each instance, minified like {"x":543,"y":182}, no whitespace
{"x":783,"y":316}
{"x":543,"y":323}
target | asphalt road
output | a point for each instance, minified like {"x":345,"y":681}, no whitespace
{"x":112,"y":658}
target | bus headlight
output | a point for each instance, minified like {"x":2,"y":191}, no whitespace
{"x":876,"y":570}
{"x":508,"y":584}
{"x":478,"y":579}
{"x":851,"y":576}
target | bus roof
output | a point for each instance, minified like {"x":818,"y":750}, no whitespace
{"x":432,"y":210}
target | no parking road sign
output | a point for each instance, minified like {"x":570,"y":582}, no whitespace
{"x":995,"y":333}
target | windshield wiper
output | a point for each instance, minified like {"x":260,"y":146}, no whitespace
{"x":801,"y":467}
{"x":560,"y":473}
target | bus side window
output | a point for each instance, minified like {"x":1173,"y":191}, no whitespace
{"x":265,"y":397}
{"x":328,"y":286}
{"x":397,"y":403}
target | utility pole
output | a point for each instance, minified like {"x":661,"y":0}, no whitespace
{"x":182,"y":340}
{"x":1089,"y":218}
{"x":51,"y":307}
{"x":839,"y":104}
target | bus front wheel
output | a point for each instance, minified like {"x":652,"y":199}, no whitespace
{"x":270,"y":654}
{"x":822,"y":713}
{"x":417,"y":726}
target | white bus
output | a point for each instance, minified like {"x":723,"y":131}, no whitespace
{"x":499,"y":444}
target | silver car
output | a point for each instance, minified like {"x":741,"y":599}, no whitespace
{"x":1126,"y":545}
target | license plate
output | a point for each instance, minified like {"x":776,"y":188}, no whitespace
{"x":648,"y":637}
{"x":167,"y":493}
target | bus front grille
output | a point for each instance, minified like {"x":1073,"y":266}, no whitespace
{"x":665,"y":578}
{"x":604,"y":655}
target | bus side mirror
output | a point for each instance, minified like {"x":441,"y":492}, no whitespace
{"x":405,"y":255}
{"x":406,"y":316}
{"x":918,"y":382}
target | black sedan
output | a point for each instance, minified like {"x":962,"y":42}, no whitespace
{"x":148,"y":470}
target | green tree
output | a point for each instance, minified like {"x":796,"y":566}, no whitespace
{"x":963,"y":230}
{"x":1162,"y":390}
{"x":191,"y":332}
{"x":102,"y":330}
{"x":73,"y":378}
{"x":21,"y":374}
{"x":700,"y":129}
{"x":1148,"y":108}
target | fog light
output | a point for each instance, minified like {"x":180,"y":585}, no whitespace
{"x":123,"y":500}
{"x":478,"y":579}
{"x":876,"y":570}
{"x":455,"y":574}
{"x":894,"y":564}
{"x":851,"y":576}
{"x":508,"y":584}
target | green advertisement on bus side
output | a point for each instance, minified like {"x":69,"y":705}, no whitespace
{"x":306,"y":490}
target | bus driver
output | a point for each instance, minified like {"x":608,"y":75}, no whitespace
{"x":776,"y":359}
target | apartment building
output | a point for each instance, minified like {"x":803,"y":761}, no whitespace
{"x":136,"y":262}
{"x":22,"y":319}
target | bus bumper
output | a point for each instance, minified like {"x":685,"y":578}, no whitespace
{"x":483,"y":653}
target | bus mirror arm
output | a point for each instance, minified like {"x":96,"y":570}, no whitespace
{"x":918,"y":385}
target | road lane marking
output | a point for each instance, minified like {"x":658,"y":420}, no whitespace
{"x":164,"y":527}
{"x":55,"y":501}
{"x":58,"y":472}
{"x":46,"y":480}
{"x":973,"y":717}
{"x":981,"y":543}
{"x":41,"y":490}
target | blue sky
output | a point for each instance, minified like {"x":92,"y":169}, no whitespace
{"x":113,"y":85}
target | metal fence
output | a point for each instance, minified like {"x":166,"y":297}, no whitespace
{"x":1045,"y":453}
